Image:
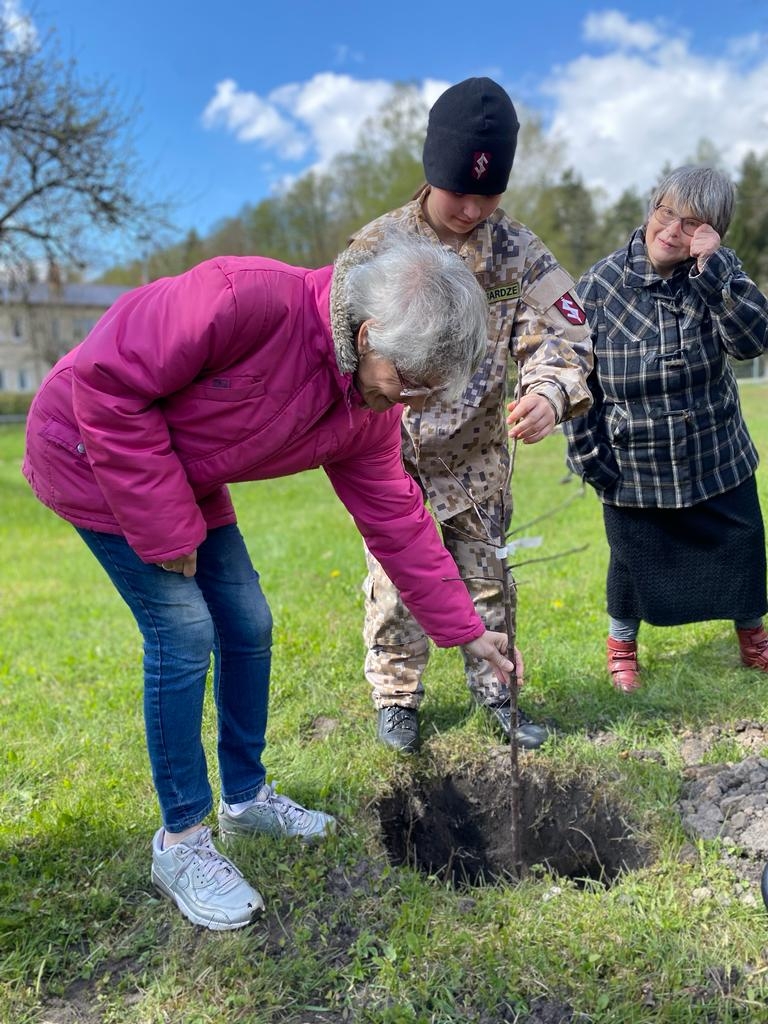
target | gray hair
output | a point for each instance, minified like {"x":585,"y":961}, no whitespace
{"x":706,"y":192}
{"x":428,"y":313}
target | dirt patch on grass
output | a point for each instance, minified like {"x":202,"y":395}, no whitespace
{"x":457,"y":824}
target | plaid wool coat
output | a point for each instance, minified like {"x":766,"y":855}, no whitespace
{"x":666,"y":428}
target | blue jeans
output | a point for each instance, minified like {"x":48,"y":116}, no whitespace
{"x":220,"y":611}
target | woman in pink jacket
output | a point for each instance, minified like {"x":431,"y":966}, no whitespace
{"x":242,"y":369}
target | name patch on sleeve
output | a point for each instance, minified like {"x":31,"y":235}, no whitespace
{"x":503,"y":292}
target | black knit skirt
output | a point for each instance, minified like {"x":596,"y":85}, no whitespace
{"x":670,"y":566}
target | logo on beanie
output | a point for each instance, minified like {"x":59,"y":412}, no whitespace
{"x":480,"y":162}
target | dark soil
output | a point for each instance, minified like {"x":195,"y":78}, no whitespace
{"x":458,"y":825}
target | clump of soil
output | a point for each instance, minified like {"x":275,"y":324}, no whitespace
{"x":457,"y":824}
{"x":729,"y":802}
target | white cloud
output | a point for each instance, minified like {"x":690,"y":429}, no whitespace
{"x":639,"y":96}
{"x":743,"y":47}
{"x":615,"y":27}
{"x":344,"y":54}
{"x":313,"y":120}
{"x":623,"y":115}
{"x":251,"y":119}
{"x":331,"y":109}
{"x":431,"y":89}
{"x":19,"y":30}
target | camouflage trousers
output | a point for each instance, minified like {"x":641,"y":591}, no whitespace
{"x":397,"y":648}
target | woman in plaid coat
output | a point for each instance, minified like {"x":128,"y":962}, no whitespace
{"x":665,"y":444}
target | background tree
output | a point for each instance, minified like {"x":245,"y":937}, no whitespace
{"x":566,"y":220}
{"x":384,"y":169}
{"x":748,"y":233}
{"x":312,"y":219}
{"x":232,"y":235}
{"x":620,"y":220}
{"x":539,"y":164}
{"x":68,"y":176}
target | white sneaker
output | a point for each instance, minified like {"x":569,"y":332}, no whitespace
{"x":273,"y":814}
{"x":205,"y":885}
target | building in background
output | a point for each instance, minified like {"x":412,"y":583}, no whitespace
{"x":39,"y":322}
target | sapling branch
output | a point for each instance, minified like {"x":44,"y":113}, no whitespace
{"x":497,"y":536}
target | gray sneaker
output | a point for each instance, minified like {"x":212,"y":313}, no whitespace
{"x":205,"y":885}
{"x":275,"y":815}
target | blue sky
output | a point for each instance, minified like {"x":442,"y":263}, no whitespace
{"x":234,"y":100}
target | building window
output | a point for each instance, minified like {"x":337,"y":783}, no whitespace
{"x":81,"y":325}
{"x":17,"y":328}
{"x":25,"y":380}
{"x":3,"y":380}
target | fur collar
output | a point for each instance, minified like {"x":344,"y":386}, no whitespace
{"x":344,"y":341}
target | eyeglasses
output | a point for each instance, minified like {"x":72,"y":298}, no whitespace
{"x":665,"y":217}
{"x":410,"y":390}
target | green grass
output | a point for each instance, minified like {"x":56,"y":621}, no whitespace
{"x":347,"y":936}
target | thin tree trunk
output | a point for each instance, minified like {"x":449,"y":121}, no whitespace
{"x":514,"y":788}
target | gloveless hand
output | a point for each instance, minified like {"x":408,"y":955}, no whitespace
{"x":492,"y":647}
{"x":530,"y":419}
{"x":704,"y":242}
{"x":184,"y":564}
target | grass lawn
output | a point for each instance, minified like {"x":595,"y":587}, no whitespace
{"x":347,"y":935}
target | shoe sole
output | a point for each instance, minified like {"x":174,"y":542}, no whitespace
{"x":226,"y":833}
{"x":527,"y":743}
{"x":399,"y":748}
{"x":204,"y":922}
{"x":529,"y":736}
{"x":627,"y":688}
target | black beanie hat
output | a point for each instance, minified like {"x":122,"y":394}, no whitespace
{"x":471,"y":139}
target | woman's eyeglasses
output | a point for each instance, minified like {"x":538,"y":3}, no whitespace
{"x":410,"y":390}
{"x":666,"y":216}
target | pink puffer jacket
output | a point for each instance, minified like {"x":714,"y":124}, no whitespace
{"x":228,"y":372}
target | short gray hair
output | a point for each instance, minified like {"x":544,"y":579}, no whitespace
{"x":707,"y":193}
{"x":428,"y":313}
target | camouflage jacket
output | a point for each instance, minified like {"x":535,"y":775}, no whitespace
{"x":460,"y":447}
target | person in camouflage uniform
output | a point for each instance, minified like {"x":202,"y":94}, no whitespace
{"x":458,"y":451}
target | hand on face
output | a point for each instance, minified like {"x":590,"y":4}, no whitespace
{"x":704,"y":242}
{"x":672,"y":236}
{"x":530,"y":419}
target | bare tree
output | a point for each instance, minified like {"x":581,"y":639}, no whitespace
{"x":69,"y":179}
